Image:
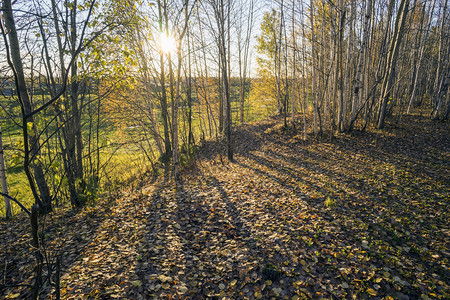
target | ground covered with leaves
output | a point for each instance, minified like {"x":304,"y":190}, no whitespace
{"x":359,"y":215}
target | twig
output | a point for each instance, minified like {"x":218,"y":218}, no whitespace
{"x":18,"y":203}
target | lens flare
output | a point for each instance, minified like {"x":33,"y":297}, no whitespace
{"x":168,"y":44}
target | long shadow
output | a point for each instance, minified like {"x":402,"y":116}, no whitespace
{"x":61,"y":236}
{"x":315,"y":203}
{"x":411,"y":158}
{"x":369,"y":214}
{"x":204,"y":219}
{"x":205,"y":229}
{"x":314,"y":238}
{"x":200,"y":225}
{"x":246,"y":138}
{"x":337,"y":178}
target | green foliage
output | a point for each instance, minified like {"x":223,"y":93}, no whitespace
{"x":90,"y":189}
{"x":266,"y":41}
{"x":330,"y":202}
{"x":265,"y":86}
{"x":187,"y":154}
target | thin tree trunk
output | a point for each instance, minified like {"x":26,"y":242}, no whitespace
{"x":440,"y":76}
{"x":163,"y":101}
{"x":278,"y":66}
{"x":8,"y":212}
{"x":31,"y":140}
{"x":423,"y":39}
{"x":357,"y":90}
{"x":177,"y":97}
{"x":313,"y":78}
{"x":294,"y":63}
{"x":219,"y":10}
{"x":392,"y":60}
{"x":191,"y":139}
{"x":340,"y":65}
{"x":243,"y":61}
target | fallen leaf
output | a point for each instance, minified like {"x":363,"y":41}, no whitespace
{"x":136,"y":283}
{"x":371,"y":292}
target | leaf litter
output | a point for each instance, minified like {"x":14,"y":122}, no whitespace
{"x":360,"y":215}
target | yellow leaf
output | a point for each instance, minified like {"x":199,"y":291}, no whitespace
{"x":165,"y":286}
{"x":29,"y":126}
{"x":93,"y":292}
{"x":371,"y":292}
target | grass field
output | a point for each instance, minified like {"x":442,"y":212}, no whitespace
{"x":121,"y":160}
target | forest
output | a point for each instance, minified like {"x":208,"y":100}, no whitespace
{"x":224,"y":149}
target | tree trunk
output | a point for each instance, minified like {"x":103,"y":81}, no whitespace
{"x":357,"y":89}
{"x":191,"y":139}
{"x":422,"y":38}
{"x":294,"y":62}
{"x":8,"y":212}
{"x":313,"y":78}
{"x":31,"y":139}
{"x":243,"y":60}
{"x":219,"y":11}
{"x":400,"y":21}
{"x":440,"y":79}
{"x":176,"y":101}
{"x":163,"y":102}
{"x":340,"y":66}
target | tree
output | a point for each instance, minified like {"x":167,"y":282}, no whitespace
{"x":313,"y":79}
{"x":176,"y":101}
{"x":163,"y":99}
{"x":219,"y":7}
{"x":389,"y":74}
{"x":243,"y":47}
{"x":424,"y":28}
{"x":29,"y":129}
{"x":357,"y":88}
{"x":8,"y":212}
{"x":269,"y":50}
{"x":441,"y":82}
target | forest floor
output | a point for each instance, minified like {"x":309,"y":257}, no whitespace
{"x":360,"y":215}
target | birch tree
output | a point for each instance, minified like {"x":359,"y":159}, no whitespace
{"x":389,"y":76}
{"x":244,"y":34}
{"x":220,"y":7}
{"x":8,"y":211}
{"x":38,"y":184}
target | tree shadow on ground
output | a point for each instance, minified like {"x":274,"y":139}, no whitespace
{"x":347,"y":217}
{"x":62,"y":234}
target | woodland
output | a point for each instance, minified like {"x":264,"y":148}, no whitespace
{"x":224,"y":149}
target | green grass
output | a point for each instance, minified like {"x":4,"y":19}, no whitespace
{"x":19,"y":189}
{"x":125,"y":165}
{"x":121,"y":165}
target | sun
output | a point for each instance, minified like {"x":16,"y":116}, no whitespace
{"x":168,"y":44}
